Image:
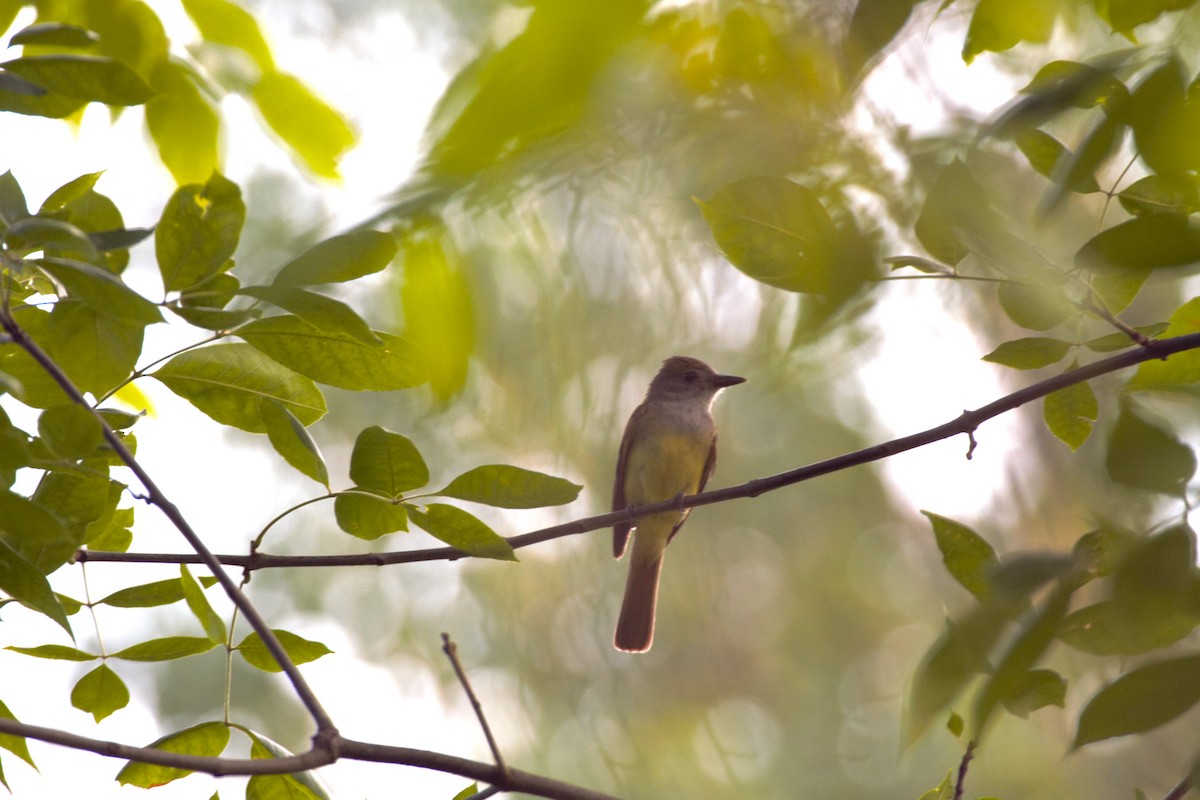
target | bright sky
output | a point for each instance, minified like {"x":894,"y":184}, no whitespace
{"x":353,"y":71}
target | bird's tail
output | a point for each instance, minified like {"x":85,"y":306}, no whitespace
{"x":635,"y":626}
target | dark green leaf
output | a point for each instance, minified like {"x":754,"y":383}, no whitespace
{"x":56,"y":652}
{"x":368,"y":516}
{"x":24,"y":582}
{"x":85,"y":503}
{"x":34,"y":531}
{"x":299,"y":650}
{"x":292,"y":441}
{"x":96,"y":350}
{"x":168,"y":648}
{"x":1050,"y":157}
{"x":1150,"y":241}
{"x":120,"y":238}
{"x":12,"y":201}
{"x":198,"y":232}
{"x":100,"y":693}
{"x":214,"y":319}
{"x":1164,"y":116}
{"x":776,"y":231}
{"x":54,"y":33}
{"x":318,"y":310}
{"x":86,"y":78}
{"x":40,"y":233}
{"x":1070,"y":413}
{"x":1030,"y":353}
{"x":336,"y":359}
{"x":1141,"y":700}
{"x":1160,"y":194}
{"x":511,"y":487}
{"x":70,"y":431}
{"x":967,"y":555}
{"x":226,"y":382}
{"x":462,"y":531}
{"x":386,"y":463}
{"x":101,"y":290}
{"x":1146,"y":456}
{"x":206,"y":739}
{"x":1036,"y":689}
{"x":339,"y":259}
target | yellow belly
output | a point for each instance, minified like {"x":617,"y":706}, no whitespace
{"x":663,"y":465}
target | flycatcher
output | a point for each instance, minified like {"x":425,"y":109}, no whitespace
{"x":669,"y":450}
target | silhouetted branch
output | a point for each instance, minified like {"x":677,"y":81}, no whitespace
{"x":966,"y":423}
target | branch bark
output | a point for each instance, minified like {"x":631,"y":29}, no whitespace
{"x":966,"y":423}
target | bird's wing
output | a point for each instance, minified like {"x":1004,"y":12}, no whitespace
{"x":621,"y":529}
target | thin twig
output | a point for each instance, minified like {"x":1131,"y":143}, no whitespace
{"x":1180,"y":790}
{"x":451,"y":651}
{"x":962,"y":770}
{"x":964,"y":424}
{"x":326,"y":730}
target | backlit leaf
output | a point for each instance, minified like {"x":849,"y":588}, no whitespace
{"x":511,"y":487}
{"x":100,"y":693}
{"x":386,"y":463}
{"x":206,"y":739}
{"x":967,"y":555}
{"x":1033,"y":352}
{"x":1071,"y":412}
{"x":198,"y":232}
{"x":339,"y":259}
{"x":1141,"y":700}
{"x":167,"y":648}
{"x":462,"y":531}
{"x":292,"y":441}
{"x":299,"y":650}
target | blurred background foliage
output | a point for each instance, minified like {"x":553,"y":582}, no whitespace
{"x":553,"y":251}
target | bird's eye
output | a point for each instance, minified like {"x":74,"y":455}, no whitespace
{"x":689,"y":376}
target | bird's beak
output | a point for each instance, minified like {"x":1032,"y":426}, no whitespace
{"x":721,"y":381}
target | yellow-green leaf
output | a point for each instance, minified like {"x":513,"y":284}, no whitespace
{"x":207,"y":739}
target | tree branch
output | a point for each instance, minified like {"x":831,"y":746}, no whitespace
{"x":506,"y":778}
{"x":966,"y":423}
{"x":451,"y":651}
{"x":325,"y":727}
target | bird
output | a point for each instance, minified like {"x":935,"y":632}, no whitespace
{"x":669,"y":450}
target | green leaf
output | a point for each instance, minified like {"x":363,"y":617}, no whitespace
{"x":470,"y":791}
{"x":1141,"y":700}
{"x":147,"y":595}
{"x":80,"y":502}
{"x":312,"y":128}
{"x":368,"y":516}
{"x":776,"y":231}
{"x":1146,"y":242}
{"x":1180,"y":369}
{"x":998,"y":25}
{"x":213,"y":319}
{"x":1146,"y":456}
{"x":1034,"y":690}
{"x":70,"y":431}
{"x":462,"y":531}
{"x":53,"y":235}
{"x":100,"y":693}
{"x":34,"y":530}
{"x":24,"y":582}
{"x":207,"y":739}
{"x":439,"y":317}
{"x":1125,"y":15}
{"x":85,"y":78}
{"x":183,"y":124}
{"x":318,"y":310}
{"x":296,"y":786}
{"x":1051,"y":158}
{"x":96,"y":350}
{"x":168,"y":648}
{"x":943,"y":791}
{"x":1160,"y":194}
{"x":967,"y":555}
{"x":101,"y":290}
{"x":225,"y":23}
{"x":1105,"y":629}
{"x":955,"y":202}
{"x":14,"y":744}
{"x":511,"y":487}
{"x":13,"y":206}
{"x":1118,"y":288}
{"x":198,"y":232}
{"x":1070,"y":413}
{"x":299,"y":650}
{"x":292,"y":441}
{"x":213,"y":626}
{"x":56,"y":652}
{"x":1010,"y":680}
{"x":336,"y":359}
{"x":1164,"y":114}
{"x":54,"y":33}
{"x":227,"y":381}
{"x":955,"y":659}
{"x":339,"y":259}
{"x":1033,"y":352}
{"x":1121,"y":341}
{"x":1037,"y":308}
{"x":386,"y":463}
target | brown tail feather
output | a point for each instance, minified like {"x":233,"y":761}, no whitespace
{"x":635,"y":626}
